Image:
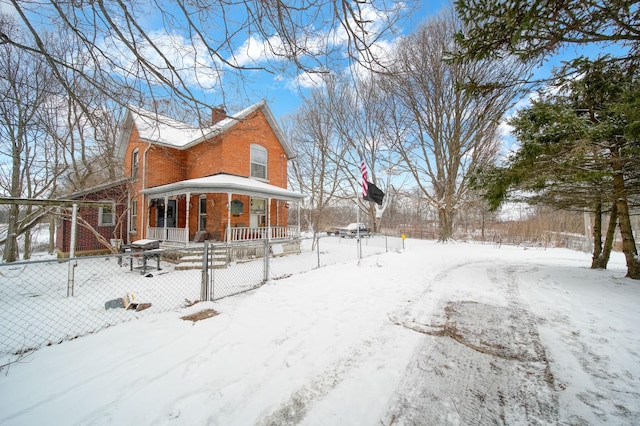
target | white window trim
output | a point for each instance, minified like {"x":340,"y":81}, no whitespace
{"x":251,"y":161}
{"x":101,"y":214}
{"x":135,"y":155}
{"x":133,"y":216}
{"x":202,"y":201}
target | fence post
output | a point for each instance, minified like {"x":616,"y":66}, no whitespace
{"x":204,"y":293}
{"x":266,"y":260}
{"x":318,"y":250}
{"x":72,"y":252}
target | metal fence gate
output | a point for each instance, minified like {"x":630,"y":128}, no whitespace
{"x":234,"y":268}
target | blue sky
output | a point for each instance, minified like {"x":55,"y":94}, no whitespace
{"x":279,"y":82}
{"x":284,"y":89}
{"x":282,"y":85}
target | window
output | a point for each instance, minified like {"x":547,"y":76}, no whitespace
{"x":202,"y":214}
{"x":134,"y":163}
{"x":133,"y":223}
{"x":258,"y":162}
{"x":106,"y":217}
{"x":258,"y":212}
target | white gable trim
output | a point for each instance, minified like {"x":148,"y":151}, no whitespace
{"x":224,"y":183}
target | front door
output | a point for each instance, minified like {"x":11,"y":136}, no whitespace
{"x":171,"y":214}
{"x":258,"y":212}
{"x":202,"y":214}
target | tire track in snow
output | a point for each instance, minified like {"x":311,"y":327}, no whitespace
{"x":294,"y":410}
{"x":479,"y":364}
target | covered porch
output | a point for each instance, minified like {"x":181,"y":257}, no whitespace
{"x":220,"y":208}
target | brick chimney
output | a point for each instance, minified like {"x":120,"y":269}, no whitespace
{"x":217,"y":114}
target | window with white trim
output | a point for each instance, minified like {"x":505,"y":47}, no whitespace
{"x":106,"y":216}
{"x":133,"y":222}
{"x":258,"y":162}
{"x":258,"y":212}
{"x":134,"y":163}
{"x":202,"y":213}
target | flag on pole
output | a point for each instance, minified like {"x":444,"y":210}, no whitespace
{"x":370,"y":192}
{"x":365,"y":181}
{"x":374,"y":194}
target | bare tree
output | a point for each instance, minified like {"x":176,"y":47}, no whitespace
{"x":174,"y":50}
{"x":358,"y":112}
{"x":317,"y":167}
{"x":341,"y":125}
{"x":87,"y":140}
{"x":444,"y":132}
{"x":55,"y":143}
{"x":28,"y":91}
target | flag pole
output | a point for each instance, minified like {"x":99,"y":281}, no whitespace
{"x":365,"y":181}
{"x":359,"y":247}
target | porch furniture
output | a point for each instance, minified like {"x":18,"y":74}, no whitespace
{"x":144,"y":250}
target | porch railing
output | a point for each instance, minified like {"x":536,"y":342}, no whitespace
{"x":178,"y":235}
{"x":155,"y":233}
{"x":244,"y":233}
{"x":241,"y":233}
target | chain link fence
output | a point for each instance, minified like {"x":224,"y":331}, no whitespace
{"x":50,"y":301}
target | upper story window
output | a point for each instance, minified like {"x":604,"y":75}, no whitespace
{"x":258,"y":162}
{"x":202,"y":213}
{"x":134,"y":163}
{"x":133,"y":223}
{"x":106,"y":217}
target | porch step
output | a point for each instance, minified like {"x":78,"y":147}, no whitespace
{"x":218,"y":259}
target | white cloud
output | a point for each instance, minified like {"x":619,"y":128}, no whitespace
{"x":307,"y":80}
{"x":251,"y":53}
{"x":7,"y":8}
{"x":172,"y":55}
{"x":315,"y":43}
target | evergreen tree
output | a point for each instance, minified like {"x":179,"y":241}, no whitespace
{"x":579,"y":148}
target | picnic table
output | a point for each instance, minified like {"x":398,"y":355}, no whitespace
{"x":144,"y":250}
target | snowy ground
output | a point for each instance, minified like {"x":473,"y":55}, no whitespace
{"x":437,"y":334}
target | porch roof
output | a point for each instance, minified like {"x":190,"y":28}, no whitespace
{"x":227,"y":184}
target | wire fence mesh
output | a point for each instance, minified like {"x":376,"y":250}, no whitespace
{"x":50,"y":301}
{"x":235,"y":268}
{"x":46,"y":302}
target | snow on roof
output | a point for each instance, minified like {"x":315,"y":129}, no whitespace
{"x":225,"y":183}
{"x":159,"y":129}
{"x":97,"y":188}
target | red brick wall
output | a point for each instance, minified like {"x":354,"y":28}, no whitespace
{"x":204,"y":159}
{"x":165,"y":165}
{"x":228,"y":153}
{"x":86,"y":241}
{"x":236,"y":149}
{"x":134,"y":143}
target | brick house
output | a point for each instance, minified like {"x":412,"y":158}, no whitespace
{"x":224,"y":182}
{"x":110,"y":224}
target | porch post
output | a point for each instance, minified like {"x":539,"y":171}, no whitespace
{"x":166,"y":207}
{"x":228,"y":236}
{"x":299,"y":231}
{"x":148,"y":216}
{"x":268,"y":212}
{"x":188,"y":202}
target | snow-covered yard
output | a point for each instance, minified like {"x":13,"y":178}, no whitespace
{"x":50,"y":300}
{"x":436,"y":334}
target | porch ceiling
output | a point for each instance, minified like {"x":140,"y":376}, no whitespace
{"x":225,"y":184}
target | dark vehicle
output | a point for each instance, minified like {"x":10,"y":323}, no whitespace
{"x":333,"y":231}
{"x":353,"y":230}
